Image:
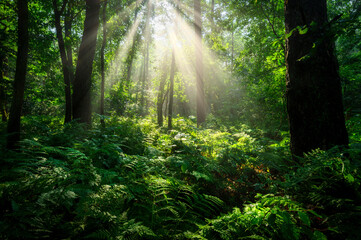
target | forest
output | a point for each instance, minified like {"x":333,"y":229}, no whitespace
{"x":180,"y":119}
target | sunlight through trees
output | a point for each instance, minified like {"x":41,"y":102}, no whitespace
{"x":180,"y":119}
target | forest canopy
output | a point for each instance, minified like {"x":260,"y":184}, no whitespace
{"x":184,"y":119}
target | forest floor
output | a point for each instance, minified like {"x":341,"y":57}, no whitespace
{"x":134,"y":180}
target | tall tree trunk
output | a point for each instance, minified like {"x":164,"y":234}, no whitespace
{"x":201,"y":108}
{"x":130,"y":59}
{"x":146,"y":61}
{"x":132,"y":52}
{"x":102,"y":61}
{"x":140,"y":80}
{"x":314,"y":99}
{"x":171,"y":90}
{"x":130,"y":64}
{"x":68,"y":46}
{"x":142,"y":90}
{"x":13,"y":127}
{"x":165,"y":101}
{"x":232,"y":49}
{"x":82,"y":81}
{"x":64,"y":59}
{"x":160,"y":98}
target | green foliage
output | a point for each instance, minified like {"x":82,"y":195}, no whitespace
{"x":330,"y":182}
{"x":89,"y":187}
{"x":354,"y":128}
{"x":271,"y":217}
{"x":133,"y":180}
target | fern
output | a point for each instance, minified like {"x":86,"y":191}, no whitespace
{"x":271,"y":217}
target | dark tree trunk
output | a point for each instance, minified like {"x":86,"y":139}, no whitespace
{"x":171,"y":90}
{"x":82,"y":81}
{"x":314,"y":99}
{"x":64,"y":59}
{"x":13,"y":127}
{"x":102,"y":62}
{"x":201,"y":108}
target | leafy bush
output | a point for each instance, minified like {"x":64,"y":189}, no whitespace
{"x":330,"y":181}
{"x":271,"y":217}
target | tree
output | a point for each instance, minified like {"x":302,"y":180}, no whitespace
{"x":146,"y":60}
{"x":13,"y":127}
{"x":131,"y":57}
{"x":67,"y":71}
{"x":82,"y":81}
{"x":314,"y":99}
{"x":201,"y":108}
{"x":68,"y":22}
{"x":161,"y":95}
{"x":102,"y":61}
{"x":8,"y":33}
{"x":171,"y":92}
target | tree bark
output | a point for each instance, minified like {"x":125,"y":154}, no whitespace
{"x":146,"y":62}
{"x":82,"y":81}
{"x":13,"y":127}
{"x":68,"y":46}
{"x":201,"y":108}
{"x":64,"y":59}
{"x":160,"y":98}
{"x":102,"y":62}
{"x":314,"y":98}
{"x":171,"y":90}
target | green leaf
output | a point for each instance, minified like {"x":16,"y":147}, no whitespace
{"x":200,"y":175}
{"x":303,"y":30}
{"x":184,"y":167}
{"x":349,"y":178}
{"x":304,"y":218}
{"x":316,"y":214}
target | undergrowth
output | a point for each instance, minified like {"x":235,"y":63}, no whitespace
{"x":134,"y":180}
